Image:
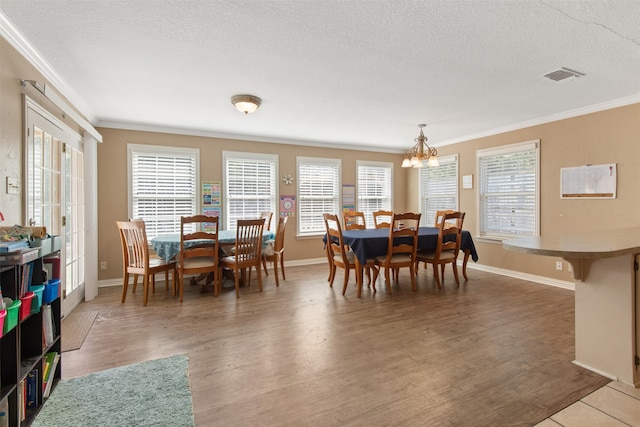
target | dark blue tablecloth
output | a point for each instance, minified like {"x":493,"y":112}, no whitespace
{"x":371,"y":243}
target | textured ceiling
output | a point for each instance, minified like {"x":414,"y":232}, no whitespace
{"x":360,"y":73}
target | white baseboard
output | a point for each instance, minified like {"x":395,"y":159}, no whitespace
{"x":501,"y":271}
{"x":523,"y":276}
{"x":295,"y":263}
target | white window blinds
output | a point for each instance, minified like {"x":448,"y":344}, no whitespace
{"x":438,"y":189}
{"x":163,"y":184}
{"x":250,"y":186}
{"x":374,"y":187}
{"x":508,"y":190}
{"x":318,"y":192}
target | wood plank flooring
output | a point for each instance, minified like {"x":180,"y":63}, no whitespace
{"x":495,"y":351}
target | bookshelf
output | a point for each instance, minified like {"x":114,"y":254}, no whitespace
{"x":24,"y":350}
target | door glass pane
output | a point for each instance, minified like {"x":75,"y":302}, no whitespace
{"x":74,"y":207}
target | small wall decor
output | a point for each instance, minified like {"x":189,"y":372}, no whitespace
{"x":210,"y":201}
{"x":467,"y":182}
{"x":287,"y":179}
{"x":287,"y":205}
{"x":13,"y":185}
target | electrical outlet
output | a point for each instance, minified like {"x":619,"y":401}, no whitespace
{"x":559,"y":265}
{"x":103,"y":265}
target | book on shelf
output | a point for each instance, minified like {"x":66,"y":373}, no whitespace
{"x":47,"y":362}
{"x":32,"y":389}
{"x":51,"y":373}
{"x":4,"y":412}
{"x":24,"y":282}
{"x":48,"y":328}
{"x":7,"y":247}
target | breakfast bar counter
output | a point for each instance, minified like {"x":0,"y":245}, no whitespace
{"x":607,"y":301}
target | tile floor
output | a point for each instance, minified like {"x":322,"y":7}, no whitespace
{"x":613,"y":405}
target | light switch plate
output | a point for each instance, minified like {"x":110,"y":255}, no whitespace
{"x":13,"y":185}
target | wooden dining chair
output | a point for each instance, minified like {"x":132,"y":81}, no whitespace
{"x":401,"y":248}
{"x":152,"y":255}
{"x":277,"y":257}
{"x":247,"y":252}
{"x":354,"y":221}
{"x":450,"y":222}
{"x":382,"y":219}
{"x":199,"y":257}
{"x":266,"y":215}
{"x":136,"y":259}
{"x":447,"y":248}
{"x":339,"y":253}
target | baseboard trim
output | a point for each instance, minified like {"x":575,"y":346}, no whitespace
{"x":524,"y":276}
{"x":501,"y":271}
{"x":599,"y":372}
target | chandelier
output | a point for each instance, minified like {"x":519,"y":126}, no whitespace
{"x":420,"y":152}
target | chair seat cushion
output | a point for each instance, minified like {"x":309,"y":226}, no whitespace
{"x":351,"y":258}
{"x":159,"y":262}
{"x":444,"y":256}
{"x":199,"y":262}
{"x":268,"y":249}
{"x":395,"y":259}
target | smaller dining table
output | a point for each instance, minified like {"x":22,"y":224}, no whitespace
{"x":167,"y":246}
{"x":373,"y":242}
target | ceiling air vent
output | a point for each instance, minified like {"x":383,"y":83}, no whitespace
{"x":562,"y":74}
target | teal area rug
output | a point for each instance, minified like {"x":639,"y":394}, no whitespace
{"x":151,"y":393}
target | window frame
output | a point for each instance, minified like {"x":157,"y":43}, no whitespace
{"x":428,"y":220}
{"x":302,"y":161}
{"x":227,"y":220}
{"x":359,"y":196}
{"x":532,"y":146}
{"x":172,"y":225}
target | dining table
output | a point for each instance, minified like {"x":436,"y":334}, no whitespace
{"x":167,"y":246}
{"x":373,"y":242}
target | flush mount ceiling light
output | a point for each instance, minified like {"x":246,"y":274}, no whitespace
{"x":246,"y":103}
{"x":420,"y":152}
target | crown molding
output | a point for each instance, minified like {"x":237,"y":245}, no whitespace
{"x":620,"y":102}
{"x":241,"y":137}
{"x":13,"y":36}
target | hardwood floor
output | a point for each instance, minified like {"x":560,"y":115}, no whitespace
{"x":495,"y":351}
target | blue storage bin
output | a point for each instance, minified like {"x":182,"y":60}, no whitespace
{"x":51,"y":291}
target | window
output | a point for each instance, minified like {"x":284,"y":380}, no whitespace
{"x":250,"y":186}
{"x":375,"y":187}
{"x":508,"y":183}
{"x":438,"y":189}
{"x":163,"y":186}
{"x":318,"y":192}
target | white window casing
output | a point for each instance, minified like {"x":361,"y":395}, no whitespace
{"x":250,"y":186}
{"x":163,"y":186}
{"x":438,"y":188}
{"x":508,"y":191}
{"x":374,"y":188}
{"x":318,"y":193}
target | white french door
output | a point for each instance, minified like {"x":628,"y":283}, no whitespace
{"x":54,"y":165}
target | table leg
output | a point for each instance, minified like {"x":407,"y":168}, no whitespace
{"x":467,"y":252}
{"x":358,"y":277}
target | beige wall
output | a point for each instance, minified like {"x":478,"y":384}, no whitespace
{"x":609,"y":136}
{"x":112,"y":182}
{"x":13,"y":69}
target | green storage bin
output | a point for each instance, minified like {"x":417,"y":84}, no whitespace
{"x":11,"y":320}
{"x":38,"y":290}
